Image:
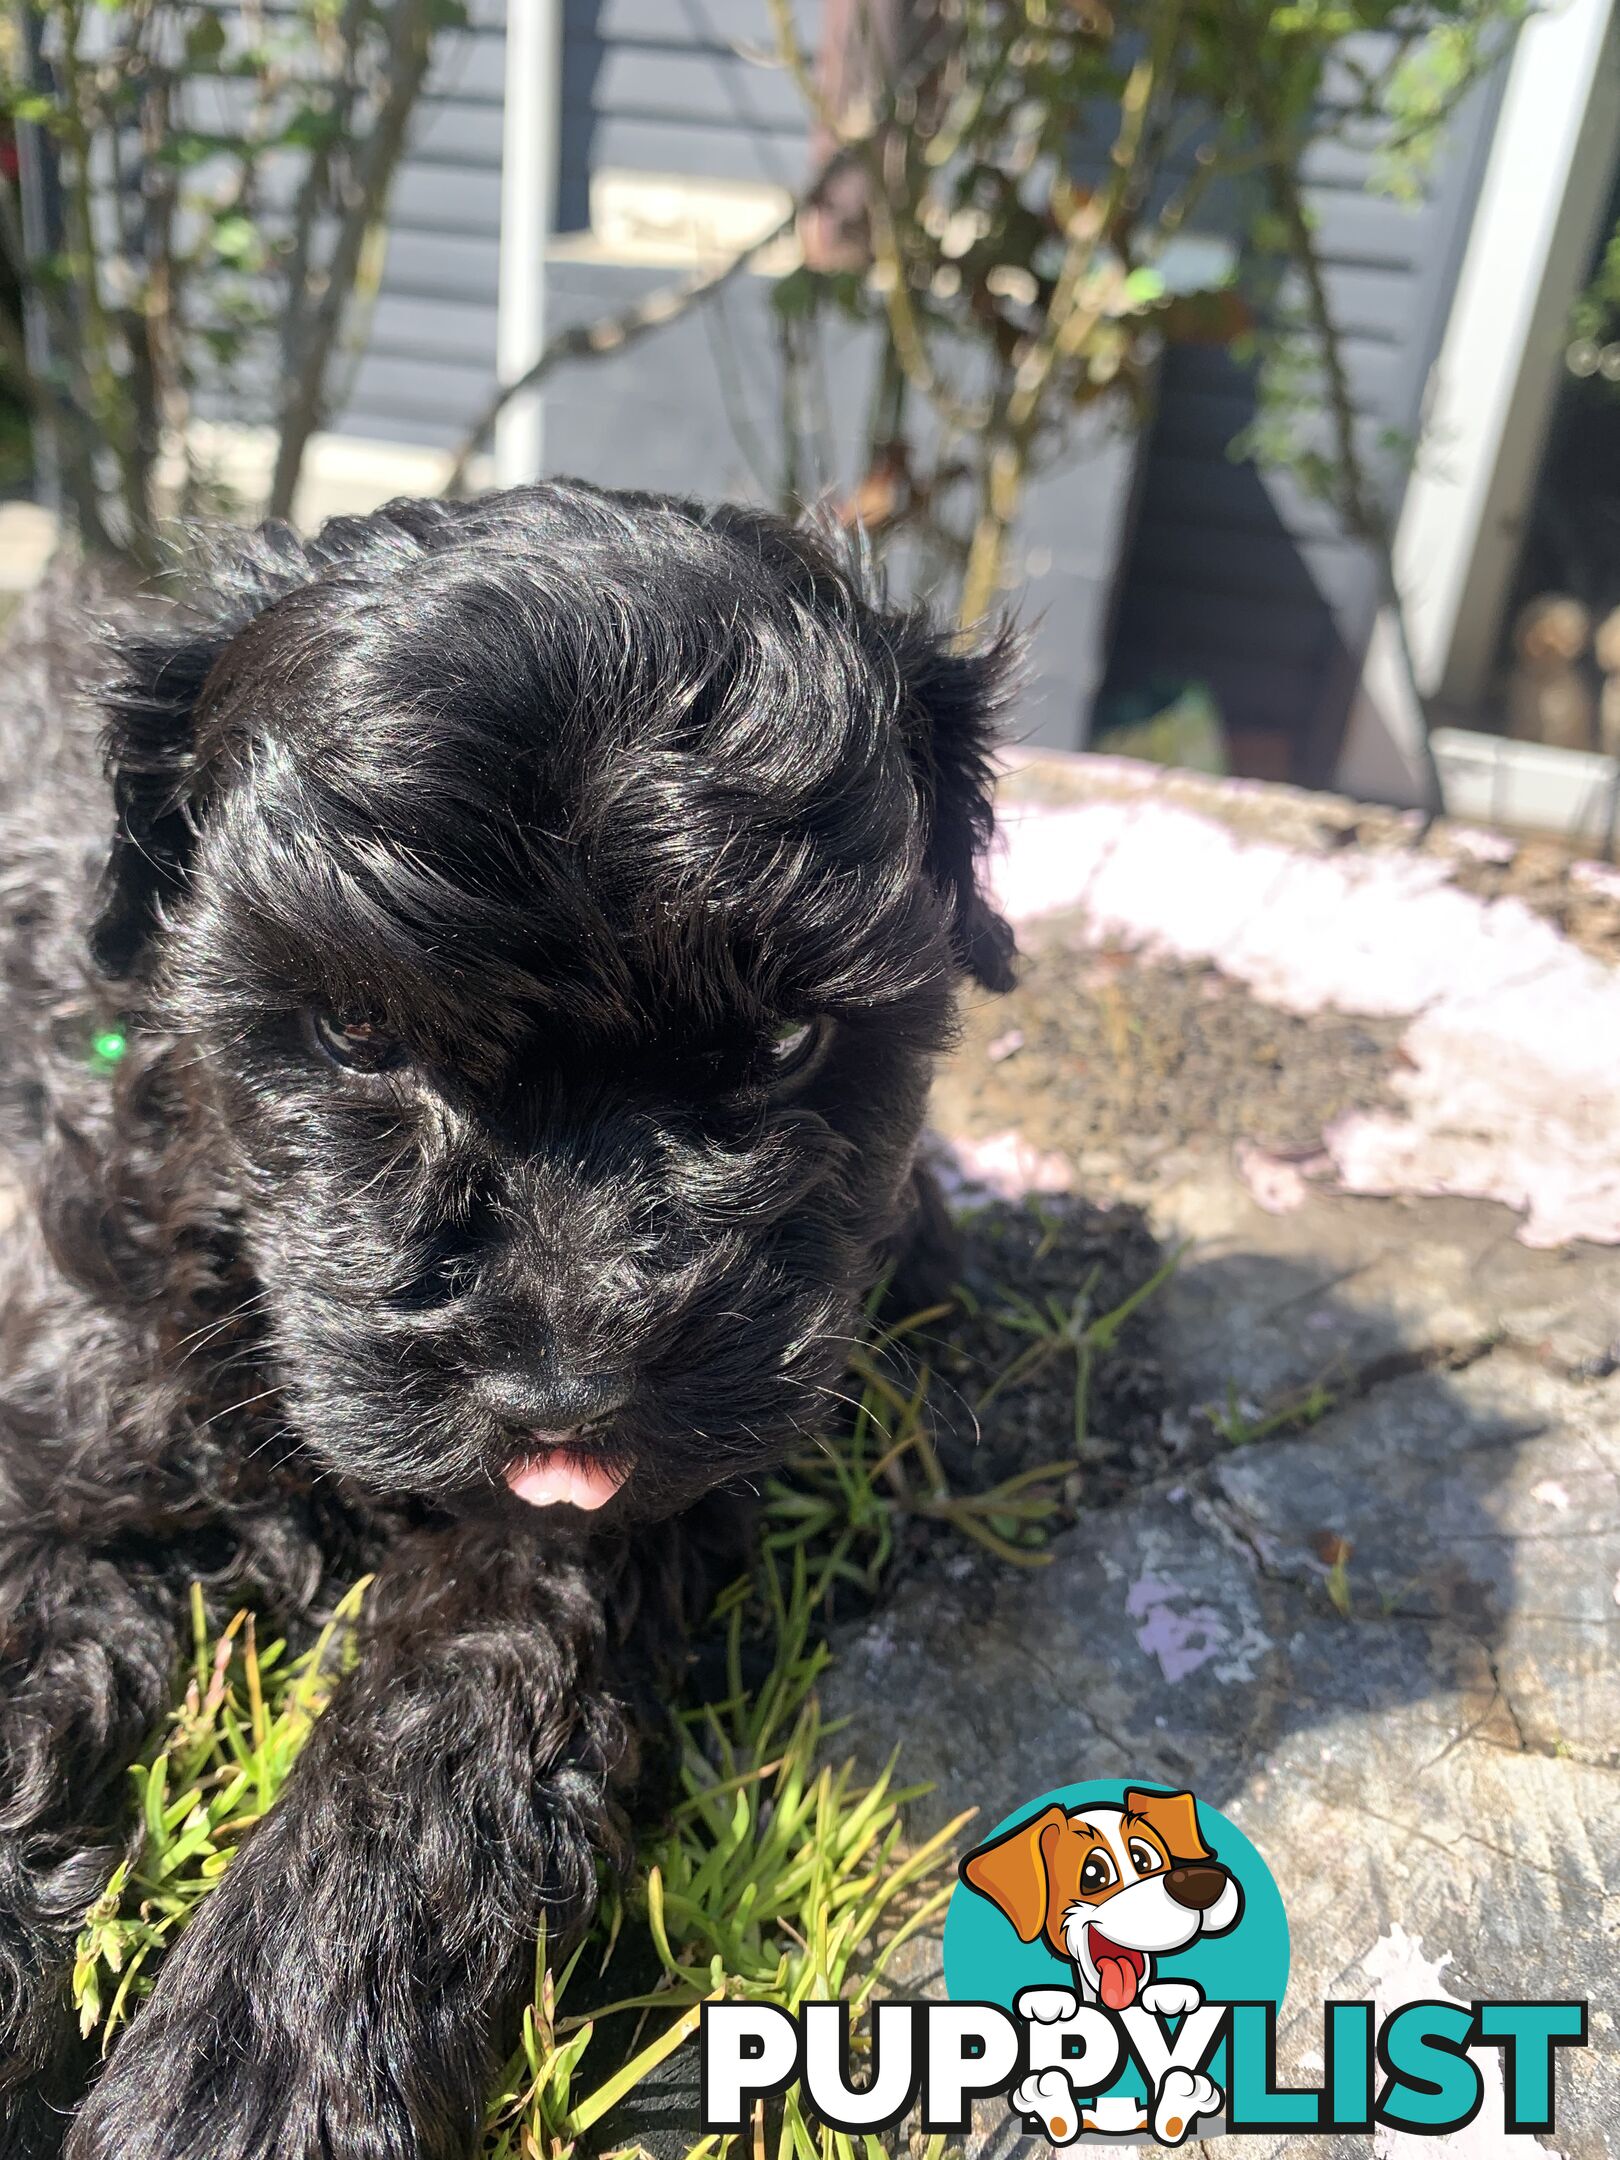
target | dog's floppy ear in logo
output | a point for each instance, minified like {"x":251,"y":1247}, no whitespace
{"x":1174,"y":1816}
{"x":1015,"y":1870}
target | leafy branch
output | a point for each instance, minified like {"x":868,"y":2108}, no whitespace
{"x":222,"y":180}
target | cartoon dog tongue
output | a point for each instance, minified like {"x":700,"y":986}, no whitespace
{"x":1117,"y":1971}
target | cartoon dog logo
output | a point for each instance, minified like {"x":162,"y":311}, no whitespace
{"x":1111,"y":1889}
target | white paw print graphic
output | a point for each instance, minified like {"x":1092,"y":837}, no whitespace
{"x":1050,"y":2096}
{"x":1182,"y":2098}
{"x":1046,"y":2005}
{"x":1172,"y":1998}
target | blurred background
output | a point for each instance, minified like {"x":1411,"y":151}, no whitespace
{"x":1265,"y":358}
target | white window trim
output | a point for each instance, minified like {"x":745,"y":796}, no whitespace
{"x":1492,"y":389}
{"x":529,"y":139}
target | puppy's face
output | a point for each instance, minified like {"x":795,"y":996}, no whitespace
{"x":561,"y":900}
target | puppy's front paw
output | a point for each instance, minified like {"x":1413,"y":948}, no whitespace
{"x":1046,"y":2005}
{"x":1172,"y":1998}
{"x":228,"y":2087}
{"x":150,"y":2103}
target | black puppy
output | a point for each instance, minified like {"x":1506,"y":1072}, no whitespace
{"x":531,"y":924}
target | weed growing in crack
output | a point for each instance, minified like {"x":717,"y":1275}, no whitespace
{"x":1240,"y":1424}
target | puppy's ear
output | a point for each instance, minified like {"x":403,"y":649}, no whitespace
{"x":1174,"y":1815}
{"x":160,"y":665}
{"x":955,"y":696}
{"x":1011,"y":1870}
{"x":151,"y":705}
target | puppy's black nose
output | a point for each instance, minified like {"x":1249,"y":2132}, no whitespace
{"x":1195,"y":1887}
{"x":550,"y":1398}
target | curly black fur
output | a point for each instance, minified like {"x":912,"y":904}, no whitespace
{"x":583,"y":799}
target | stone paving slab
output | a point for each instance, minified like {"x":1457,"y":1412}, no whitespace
{"x":1430,"y":1776}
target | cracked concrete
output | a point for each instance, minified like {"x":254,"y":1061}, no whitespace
{"x":1424,"y":1741}
{"x":1440,"y":1758}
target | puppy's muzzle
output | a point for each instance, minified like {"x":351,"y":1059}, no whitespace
{"x":550,"y":1396}
{"x":1198,"y":1888}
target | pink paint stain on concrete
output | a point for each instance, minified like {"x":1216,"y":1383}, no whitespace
{"x":1004,"y":1165}
{"x":1181,"y":1636}
{"x":1596,"y":877}
{"x":1482,"y":845}
{"x":1511,"y":1090}
{"x":1279,"y":1183}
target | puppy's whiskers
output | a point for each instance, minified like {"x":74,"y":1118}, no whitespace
{"x":234,"y":1409}
{"x":190,"y":1346}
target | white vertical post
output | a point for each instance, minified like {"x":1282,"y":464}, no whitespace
{"x":1545,"y":183}
{"x":528,"y":202}
{"x":1491,"y":395}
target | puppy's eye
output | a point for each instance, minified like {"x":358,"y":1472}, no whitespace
{"x":1146,"y":1859}
{"x":356,"y":1045}
{"x":795,"y":1045}
{"x":1097,"y":1874}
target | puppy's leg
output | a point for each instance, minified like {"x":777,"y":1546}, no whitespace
{"x":345,"y":1990}
{"x":88,"y":1654}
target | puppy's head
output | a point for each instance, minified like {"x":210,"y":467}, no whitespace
{"x":1109,"y":1887}
{"x":557,"y":900}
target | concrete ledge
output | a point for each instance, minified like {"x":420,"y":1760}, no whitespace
{"x":1497,"y":956}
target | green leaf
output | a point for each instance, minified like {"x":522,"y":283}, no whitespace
{"x":312,"y":127}
{"x":205,"y":40}
{"x":797,"y":296}
{"x":235,"y":239}
{"x":185,"y":149}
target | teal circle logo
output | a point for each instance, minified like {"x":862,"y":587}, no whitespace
{"x":1116,"y":1889}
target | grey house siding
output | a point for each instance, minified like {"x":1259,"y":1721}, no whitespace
{"x":679,"y":86}
{"x":675,"y":86}
{"x":427,"y":344}
{"x":429,"y":357}
{"x":1234,"y":579}
{"x":647,"y":85}
{"x":1229,"y":577}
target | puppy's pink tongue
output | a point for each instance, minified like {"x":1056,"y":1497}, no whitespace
{"x":1116,"y":1982}
{"x":557,"y":1474}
